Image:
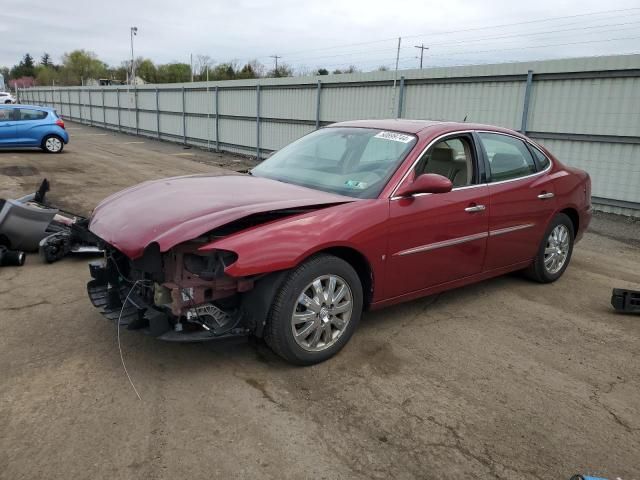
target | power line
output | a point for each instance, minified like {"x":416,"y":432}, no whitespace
{"x":528,"y":22}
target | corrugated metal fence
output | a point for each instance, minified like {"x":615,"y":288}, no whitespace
{"x":585,"y":110}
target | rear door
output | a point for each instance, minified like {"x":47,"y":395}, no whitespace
{"x":521,"y":200}
{"x":29,"y":126}
{"x":7,"y":126}
{"x":439,"y":238}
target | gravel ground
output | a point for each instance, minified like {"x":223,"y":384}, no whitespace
{"x":504,"y":379}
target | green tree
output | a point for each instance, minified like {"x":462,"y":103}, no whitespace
{"x":45,"y":61}
{"x":24,"y":69}
{"x":283,"y":70}
{"x":174,"y":73}
{"x":322,"y":71}
{"x":223,"y":71}
{"x":79,"y":66}
{"x":46,"y":75}
{"x":146,"y":70}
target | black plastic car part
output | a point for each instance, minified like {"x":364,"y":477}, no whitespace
{"x":625,"y":301}
{"x":11,"y":258}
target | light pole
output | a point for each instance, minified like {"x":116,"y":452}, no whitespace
{"x":134,"y":32}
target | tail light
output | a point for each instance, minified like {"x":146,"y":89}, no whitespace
{"x":60,"y":123}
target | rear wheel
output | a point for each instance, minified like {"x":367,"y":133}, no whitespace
{"x":316,"y":311}
{"x":52,"y":144}
{"x":554,"y":252}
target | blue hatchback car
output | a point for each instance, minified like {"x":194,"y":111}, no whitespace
{"x":32,"y":126}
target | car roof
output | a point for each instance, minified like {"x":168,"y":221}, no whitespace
{"x":418,"y":126}
{"x":35,"y":107}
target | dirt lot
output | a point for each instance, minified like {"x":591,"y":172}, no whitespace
{"x":504,"y":379}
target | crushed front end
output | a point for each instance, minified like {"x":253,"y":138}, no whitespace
{"x":179,"y":295}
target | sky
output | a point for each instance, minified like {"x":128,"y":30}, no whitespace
{"x":328,"y":33}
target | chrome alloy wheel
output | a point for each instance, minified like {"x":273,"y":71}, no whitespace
{"x":53,"y":144}
{"x":322,"y":313}
{"x":557,"y":249}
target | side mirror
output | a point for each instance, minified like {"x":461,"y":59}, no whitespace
{"x":426,"y":183}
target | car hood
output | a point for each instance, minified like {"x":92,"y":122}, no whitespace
{"x":173,"y":210}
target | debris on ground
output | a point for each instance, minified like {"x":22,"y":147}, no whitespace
{"x":625,"y":301}
{"x":30,"y":224}
{"x":11,"y":258}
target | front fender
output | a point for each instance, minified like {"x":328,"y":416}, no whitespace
{"x":284,"y":244}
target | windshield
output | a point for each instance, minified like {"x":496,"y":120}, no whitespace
{"x":356,"y":162}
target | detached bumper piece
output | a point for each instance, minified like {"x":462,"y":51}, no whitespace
{"x":30,"y":224}
{"x":108,"y":293}
{"x":625,"y":301}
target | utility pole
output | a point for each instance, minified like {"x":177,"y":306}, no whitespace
{"x":422,"y":49}
{"x":134,"y":32}
{"x":191,"y":63}
{"x":276,"y":57}
{"x":395,"y":75}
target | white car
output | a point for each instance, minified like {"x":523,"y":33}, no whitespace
{"x":6,"y":97}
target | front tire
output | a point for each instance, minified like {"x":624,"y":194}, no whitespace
{"x":554,"y":252}
{"x":316,"y":311}
{"x":52,"y":144}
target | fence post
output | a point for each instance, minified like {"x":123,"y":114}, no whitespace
{"x":90,"y":109}
{"x":80,"y":103}
{"x":217,"y":122}
{"x":184,"y":118}
{"x":400,"y":98}
{"x":258,"y":122}
{"x":118,"y":107}
{"x":135,"y":103}
{"x":525,"y":106}
{"x":318,"y":105}
{"x":104,"y":110}
{"x":158,"y":113}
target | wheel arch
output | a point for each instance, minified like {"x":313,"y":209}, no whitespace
{"x":573,"y":215}
{"x":50,"y":134}
{"x":360,"y":264}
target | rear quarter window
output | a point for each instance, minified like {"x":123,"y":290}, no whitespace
{"x":541,"y":158}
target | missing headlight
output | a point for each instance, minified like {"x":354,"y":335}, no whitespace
{"x":209,"y":266}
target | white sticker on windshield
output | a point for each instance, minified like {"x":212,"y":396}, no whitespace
{"x":396,"y":137}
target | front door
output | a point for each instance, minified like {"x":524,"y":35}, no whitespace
{"x":438,"y":238}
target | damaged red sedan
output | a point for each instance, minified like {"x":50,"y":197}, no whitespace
{"x":355,"y":216}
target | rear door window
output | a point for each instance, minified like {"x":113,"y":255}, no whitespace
{"x":29,"y":114}
{"x":509,"y":157}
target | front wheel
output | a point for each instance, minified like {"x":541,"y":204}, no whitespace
{"x":554,"y":252}
{"x":316,"y":311}
{"x":52,"y":144}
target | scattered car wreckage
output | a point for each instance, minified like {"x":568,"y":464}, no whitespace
{"x":625,"y":301}
{"x":30,"y":224}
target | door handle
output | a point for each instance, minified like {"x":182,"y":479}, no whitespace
{"x":545,"y":195}
{"x":475,"y":208}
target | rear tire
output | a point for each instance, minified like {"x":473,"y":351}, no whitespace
{"x":52,"y":144}
{"x":316,"y":311}
{"x":554,"y":252}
